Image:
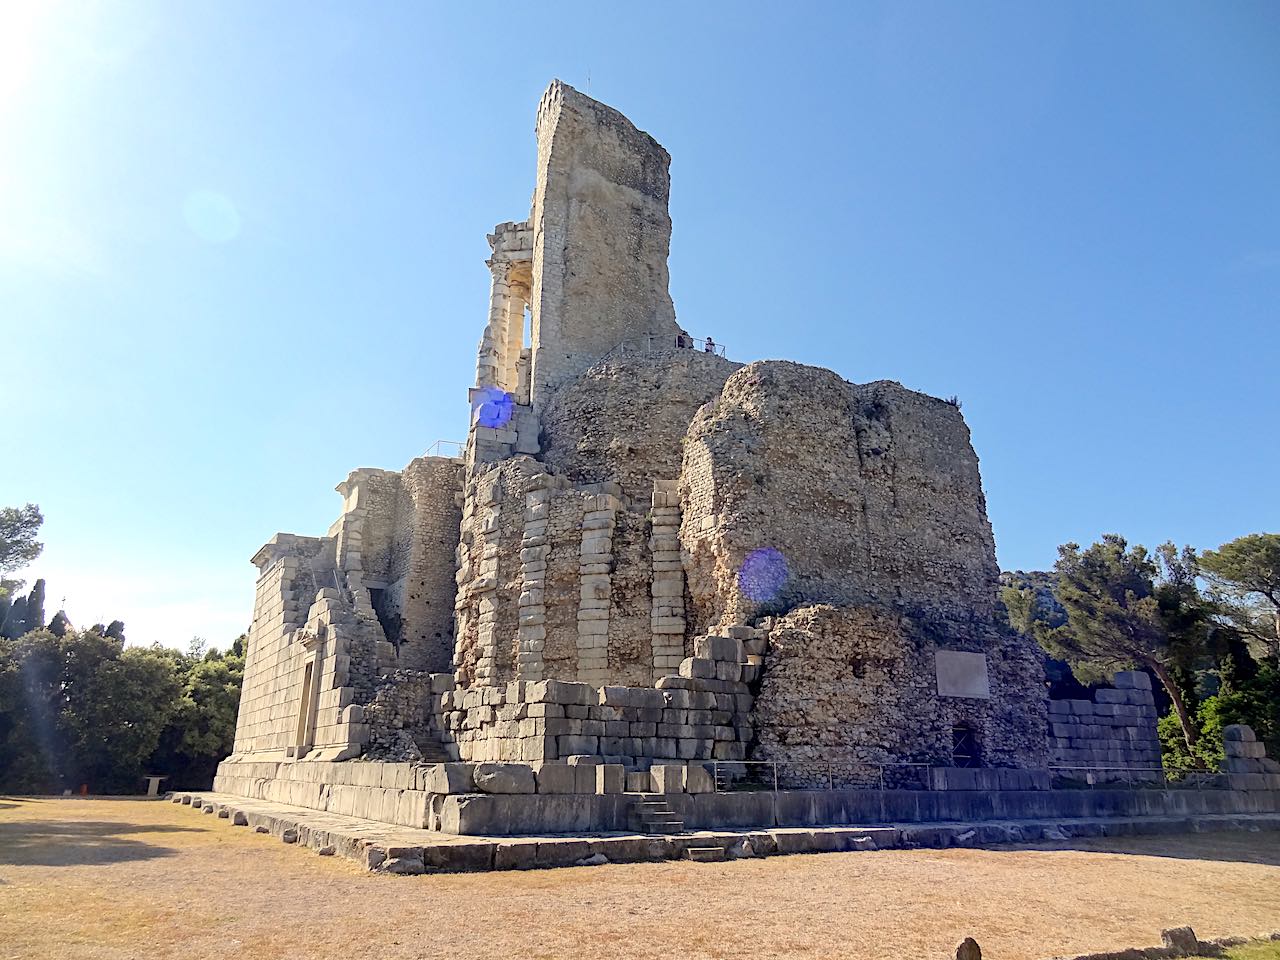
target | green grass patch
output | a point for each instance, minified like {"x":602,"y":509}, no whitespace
{"x":1261,"y":950}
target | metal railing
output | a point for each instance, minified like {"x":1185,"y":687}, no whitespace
{"x":747,"y":775}
{"x":1079,"y":776}
{"x":818,"y":774}
{"x":446,"y":448}
{"x":653,"y":345}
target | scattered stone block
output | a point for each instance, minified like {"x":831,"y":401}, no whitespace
{"x":728,"y":649}
{"x":1238,"y":731}
{"x":1182,"y":941}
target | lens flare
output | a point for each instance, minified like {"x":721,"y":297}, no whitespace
{"x":492,"y":407}
{"x":763,"y":574}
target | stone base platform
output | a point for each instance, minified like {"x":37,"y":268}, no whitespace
{"x":387,"y":848}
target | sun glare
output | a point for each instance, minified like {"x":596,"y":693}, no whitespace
{"x":23,"y":30}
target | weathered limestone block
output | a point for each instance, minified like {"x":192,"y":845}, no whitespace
{"x":668,"y":777}
{"x":504,"y":778}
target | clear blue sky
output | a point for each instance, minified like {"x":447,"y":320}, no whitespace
{"x":242,"y":250}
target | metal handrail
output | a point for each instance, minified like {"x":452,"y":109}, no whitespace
{"x":726,"y":772}
{"x":654,"y":344}
{"x":827,"y":766}
{"x":1093,"y":774}
{"x":437,"y":448}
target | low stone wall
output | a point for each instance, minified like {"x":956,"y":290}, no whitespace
{"x":500,"y":799}
{"x":701,"y":714}
{"x":1246,"y":763}
{"x":1117,"y":729}
{"x":496,"y":815}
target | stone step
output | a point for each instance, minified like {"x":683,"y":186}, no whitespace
{"x":705,"y":854}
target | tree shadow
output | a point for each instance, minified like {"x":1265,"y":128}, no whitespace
{"x":1220,"y":846}
{"x":46,"y":843}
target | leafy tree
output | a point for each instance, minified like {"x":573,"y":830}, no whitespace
{"x":1124,"y":609}
{"x":1255,"y":701}
{"x":81,"y":708}
{"x":18,"y":544}
{"x":202,"y":730}
{"x":1246,"y":574}
{"x":24,"y":614}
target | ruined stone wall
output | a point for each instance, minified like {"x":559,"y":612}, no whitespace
{"x":801,"y":490}
{"x":424,"y":563}
{"x":870,"y":493}
{"x":622,"y":425}
{"x":699,"y":713}
{"x":845,"y":690}
{"x":624,"y":420}
{"x":1115,"y":730}
{"x":602,"y":234}
{"x":289,"y":629}
{"x":376,"y":493}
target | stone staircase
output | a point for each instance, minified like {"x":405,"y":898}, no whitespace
{"x":655,"y":814}
{"x":432,"y":750}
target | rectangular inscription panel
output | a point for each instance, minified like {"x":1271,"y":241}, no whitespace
{"x":962,"y":674}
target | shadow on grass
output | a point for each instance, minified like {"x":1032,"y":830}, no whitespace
{"x":44,"y":843}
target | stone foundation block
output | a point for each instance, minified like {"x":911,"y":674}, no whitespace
{"x":557,"y":778}
{"x":515,"y":855}
{"x":698,"y":779}
{"x":668,"y":777}
{"x":459,"y":858}
{"x":611,"y":778}
{"x":504,"y":778}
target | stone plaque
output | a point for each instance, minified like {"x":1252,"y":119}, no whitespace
{"x":962,"y":674}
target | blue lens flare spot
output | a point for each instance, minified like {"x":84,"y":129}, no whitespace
{"x":492,"y":407}
{"x":762,"y":575}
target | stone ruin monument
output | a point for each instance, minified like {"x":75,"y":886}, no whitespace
{"x":652,"y":568}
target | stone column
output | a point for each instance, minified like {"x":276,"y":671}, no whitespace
{"x":595,"y":565}
{"x":485,"y":586}
{"x":489,"y":362}
{"x":533,"y":571}
{"x":513,"y":341}
{"x":667,"y":612}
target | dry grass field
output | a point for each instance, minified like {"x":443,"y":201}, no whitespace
{"x":114,"y":879}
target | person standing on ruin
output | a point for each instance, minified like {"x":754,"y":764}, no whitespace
{"x":710,"y":346}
